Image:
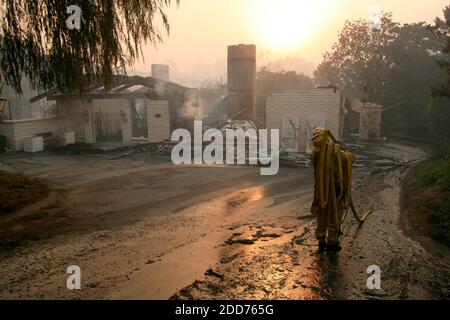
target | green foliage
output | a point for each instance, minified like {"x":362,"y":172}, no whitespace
{"x":440,"y":172}
{"x":441,"y":151}
{"x":439,"y":217}
{"x":269,"y":82}
{"x":446,"y":175}
{"x":441,"y":29}
{"x":438,"y":119}
{"x":35,"y":42}
{"x":395,"y":64}
{"x":358,"y":60}
{"x":437,"y":179}
{"x":430,"y":176}
{"x":17,"y":191}
{"x":3,"y":143}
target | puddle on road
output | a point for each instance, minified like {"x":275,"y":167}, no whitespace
{"x":185,"y":264}
{"x":245,"y":196}
{"x":266,"y":264}
{"x":245,"y":259}
{"x":159,"y":280}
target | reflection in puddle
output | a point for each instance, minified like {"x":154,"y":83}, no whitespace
{"x":246,"y":195}
{"x":257,"y":193}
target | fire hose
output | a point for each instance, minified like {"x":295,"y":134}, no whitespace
{"x":333,"y":179}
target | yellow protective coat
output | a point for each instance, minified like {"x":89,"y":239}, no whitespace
{"x":333,"y":184}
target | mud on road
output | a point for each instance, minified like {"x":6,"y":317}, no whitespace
{"x":142,"y":228}
{"x":279,"y":259}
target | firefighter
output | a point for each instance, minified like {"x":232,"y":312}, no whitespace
{"x":332,"y":187}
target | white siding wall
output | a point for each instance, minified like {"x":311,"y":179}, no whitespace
{"x":7,"y":130}
{"x":158,"y":120}
{"x":302,"y":104}
{"x":17,"y":130}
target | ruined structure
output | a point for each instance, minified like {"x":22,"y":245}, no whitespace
{"x":363,"y":120}
{"x":136,"y":109}
{"x":370,"y":122}
{"x":242,"y":82}
{"x":161,"y":72}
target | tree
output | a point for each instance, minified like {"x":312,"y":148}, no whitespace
{"x":269,"y":82}
{"x":391,"y":65}
{"x":358,"y":60}
{"x":413,"y":72}
{"x":35,"y":41}
{"x":441,"y":29}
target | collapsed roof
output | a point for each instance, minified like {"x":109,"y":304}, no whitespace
{"x":124,"y":87}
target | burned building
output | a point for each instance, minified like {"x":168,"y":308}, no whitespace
{"x":363,"y":119}
{"x":135,"y":109}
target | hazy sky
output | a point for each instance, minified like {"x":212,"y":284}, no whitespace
{"x":300,"y":29}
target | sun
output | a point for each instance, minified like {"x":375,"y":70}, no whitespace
{"x":285,"y":24}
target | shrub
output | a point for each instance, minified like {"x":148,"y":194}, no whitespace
{"x":438,"y":208}
{"x":441,"y":150}
{"x":430,"y":176}
{"x":439,"y":215}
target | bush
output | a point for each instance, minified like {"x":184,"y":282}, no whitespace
{"x":431,"y":175}
{"x":437,"y":177}
{"x":439,"y":215}
{"x":441,"y":151}
{"x":441,"y":171}
{"x":446,"y":176}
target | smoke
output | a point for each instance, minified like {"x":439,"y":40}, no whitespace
{"x":191,"y":107}
{"x":290,"y":64}
{"x":198,"y":74}
{"x":160,"y":88}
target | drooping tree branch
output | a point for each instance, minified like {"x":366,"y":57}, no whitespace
{"x":35,"y":41}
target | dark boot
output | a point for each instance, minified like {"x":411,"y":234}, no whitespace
{"x":333,"y":246}
{"x":322,"y":245}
